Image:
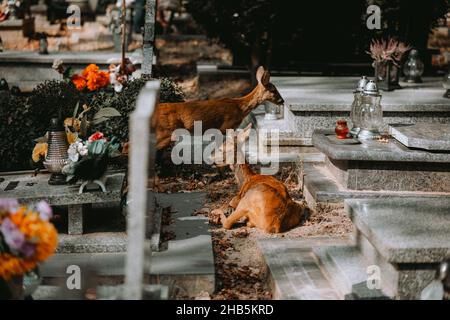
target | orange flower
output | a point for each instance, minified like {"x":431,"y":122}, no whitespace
{"x":79,"y":82}
{"x":39,"y":151}
{"x":92,"y":68}
{"x":97,"y":80}
{"x":92,"y":78}
{"x":74,"y":122}
{"x":37,"y":231}
{"x":13,"y":266}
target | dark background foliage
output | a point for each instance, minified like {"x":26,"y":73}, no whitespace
{"x":125,"y":103}
{"x":287,"y":34}
{"x":23,"y":119}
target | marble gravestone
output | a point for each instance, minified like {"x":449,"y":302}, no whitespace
{"x":384,"y":165}
{"x":429,"y":136}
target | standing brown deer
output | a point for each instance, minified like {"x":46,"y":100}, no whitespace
{"x":262,"y":199}
{"x":221,"y":114}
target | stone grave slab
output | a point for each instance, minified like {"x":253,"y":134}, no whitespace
{"x":318,"y":102}
{"x":187,"y":262}
{"x":294,"y":271}
{"x":27,"y":69}
{"x":405,"y":238}
{"x":321,"y":187}
{"x":29,"y":188}
{"x":375,"y":166}
{"x":404,"y":230}
{"x":423,"y":136}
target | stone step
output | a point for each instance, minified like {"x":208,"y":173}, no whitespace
{"x":288,"y":154}
{"x":50,"y":292}
{"x":321,"y":187}
{"x":347,"y":270}
{"x":405,"y":238}
{"x":389,"y":275}
{"x":295,"y":272}
{"x":98,"y":242}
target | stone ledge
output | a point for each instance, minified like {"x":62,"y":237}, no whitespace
{"x":322,"y":188}
{"x":78,"y":58}
{"x":393,"y":151}
{"x":424,"y":136}
{"x":101,"y":242}
{"x":335,"y":94}
{"x":347,"y":269}
{"x":294,"y":271}
{"x":404,"y":230}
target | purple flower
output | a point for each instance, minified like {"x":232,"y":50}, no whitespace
{"x":8,"y":204}
{"x":28,"y":250}
{"x":12,"y":235}
{"x":44,"y":209}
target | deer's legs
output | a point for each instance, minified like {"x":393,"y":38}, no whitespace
{"x":227,"y":223}
{"x":250,"y":224}
{"x":234,"y":202}
{"x":163,"y":143}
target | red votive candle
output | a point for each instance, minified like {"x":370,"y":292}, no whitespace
{"x":341,"y":129}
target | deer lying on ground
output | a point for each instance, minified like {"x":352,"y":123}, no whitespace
{"x":221,"y":114}
{"x":262,"y":199}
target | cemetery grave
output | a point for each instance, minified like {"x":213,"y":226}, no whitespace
{"x":374,"y":209}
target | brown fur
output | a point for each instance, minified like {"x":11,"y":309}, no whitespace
{"x":266,"y":203}
{"x":221,"y":114}
{"x":263,"y":200}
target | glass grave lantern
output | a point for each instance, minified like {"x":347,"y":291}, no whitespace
{"x":57,"y":156}
{"x":371,"y":112}
{"x":413,"y":67}
{"x":272,"y":111}
{"x":356,"y":106}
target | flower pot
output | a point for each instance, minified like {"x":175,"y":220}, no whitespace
{"x":20,"y":287}
{"x":387,"y":75}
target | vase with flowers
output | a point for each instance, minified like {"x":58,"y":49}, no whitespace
{"x":88,"y":160}
{"x":387,"y":56}
{"x":27,"y":238}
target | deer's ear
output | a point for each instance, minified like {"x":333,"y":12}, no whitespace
{"x":262,"y":76}
{"x":266,"y":78}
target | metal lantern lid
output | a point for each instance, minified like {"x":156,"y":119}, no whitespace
{"x":414,"y":53}
{"x":362,"y":84}
{"x":56,"y":125}
{"x":371,"y":89}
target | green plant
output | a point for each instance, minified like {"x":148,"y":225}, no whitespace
{"x":23,"y":119}
{"x":125,"y":102}
{"x":88,"y":160}
{"x":17,"y":132}
{"x":52,"y":99}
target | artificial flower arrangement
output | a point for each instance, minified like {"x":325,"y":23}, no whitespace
{"x":27,"y":237}
{"x":91,"y":78}
{"x":88,"y":160}
{"x":388,"y":50}
{"x":76,"y":126}
{"x":387,"y":56}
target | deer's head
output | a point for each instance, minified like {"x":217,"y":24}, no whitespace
{"x":231,"y":148}
{"x":267,"y":90}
